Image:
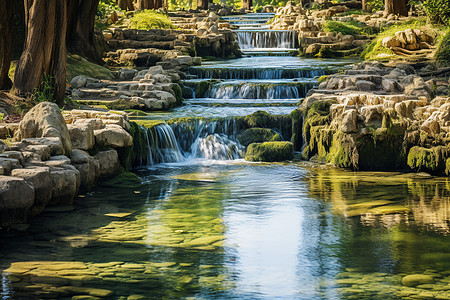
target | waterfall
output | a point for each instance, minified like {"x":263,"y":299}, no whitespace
{"x":218,"y":147}
{"x":240,"y":90}
{"x":260,"y":39}
{"x":163,"y":145}
{"x":257,"y":73}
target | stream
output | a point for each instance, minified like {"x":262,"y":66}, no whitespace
{"x":206,"y":224}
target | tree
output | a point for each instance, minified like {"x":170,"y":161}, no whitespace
{"x":45,"y":48}
{"x":80,"y":28}
{"x":125,"y":4}
{"x":202,"y":4}
{"x":6,"y":39}
{"x":149,"y":4}
{"x":247,"y":4}
{"x":396,"y":7}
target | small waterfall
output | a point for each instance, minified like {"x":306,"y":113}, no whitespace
{"x":260,"y":39}
{"x":163,"y":145}
{"x":256,"y":73}
{"x":259,"y":90}
{"x":218,"y":147}
{"x":149,"y":149}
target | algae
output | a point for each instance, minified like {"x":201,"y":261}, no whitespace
{"x":270,"y":151}
{"x":429,"y":159}
{"x":258,"y":135}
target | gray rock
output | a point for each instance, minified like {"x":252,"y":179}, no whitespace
{"x":113,"y":136}
{"x":16,"y":198}
{"x":88,"y":167}
{"x":348,"y":122}
{"x":65,"y":183}
{"x":364,"y":85}
{"x":82,"y":136}
{"x":53,"y":143}
{"x":127,"y":74}
{"x":108,"y":162}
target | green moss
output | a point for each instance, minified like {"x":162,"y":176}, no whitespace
{"x":77,"y":65}
{"x":147,"y":123}
{"x":351,"y":27}
{"x":150,"y":19}
{"x":258,"y":135}
{"x":136,"y":154}
{"x":432,"y":160}
{"x":270,"y":151}
{"x":136,"y":113}
{"x":297,"y":121}
{"x":123,"y":179}
{"x":12,"y":70}
{"x":447,"y":167}
{"x":178,"y":93}
{"x":442,"y":55}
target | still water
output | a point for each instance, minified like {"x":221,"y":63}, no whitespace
{"x":209,"y":230}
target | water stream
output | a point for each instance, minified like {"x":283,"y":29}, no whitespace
{"x":205,"y":224}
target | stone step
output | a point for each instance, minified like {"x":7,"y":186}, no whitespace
{"x":132,"y":44}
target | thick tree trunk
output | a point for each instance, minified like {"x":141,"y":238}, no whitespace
{"x":202,"y":4}
{"x":396,"y":7}
{"x":45,"y":48}
{"x":80,"y":29}
{"x":247,"y":4}
{"x":363,"y":5}
{"x":6,"y":42}
{"x":125,"y":4}
{"x":145,"y":4}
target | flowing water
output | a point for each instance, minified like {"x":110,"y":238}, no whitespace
{"x":205,"y":224}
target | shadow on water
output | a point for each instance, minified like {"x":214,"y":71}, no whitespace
{"x":238,"y":231}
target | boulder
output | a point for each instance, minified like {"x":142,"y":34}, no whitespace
{"x":113,"y":136}
{"x":82,"y":136}
{"x":127,"y":74}
{"x":348,"y":121}
{"x":88,"y":167}
{"x":109,"y":163}
{"x":54,"y":144}
{"x":46,"y":120}
{"x":416,"y":279}
{"x":39,"y":178}
{"x":258,"y":135}
{"x":65,"y":185}
{"x":365,"y":85}
{"x":8,"y":164}
{"x":270,"y":151}
{"x":16,"y":198}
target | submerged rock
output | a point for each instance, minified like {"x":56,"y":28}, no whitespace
{"x":16,"y":198}
{"x":270,"y":151}
{"x":416,"y":279}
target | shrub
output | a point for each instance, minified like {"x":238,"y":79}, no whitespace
{"x":442,"y":55}
{"x":45,"y":91}
{"x":150,"y":19}
{"x":438,"y":11}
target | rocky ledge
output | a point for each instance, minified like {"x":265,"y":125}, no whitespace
{"x":376,"y":117}
{"x":58,"y":155}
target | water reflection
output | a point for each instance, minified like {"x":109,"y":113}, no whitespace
{"x":239,"y":231}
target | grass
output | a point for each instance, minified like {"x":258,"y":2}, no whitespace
{"x":442,"y":55}
{"x":376,"y":51}
{"x":150,"y":19}
{"x":351,"y":27}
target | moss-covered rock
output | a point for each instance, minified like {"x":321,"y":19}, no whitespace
{"x":262,"y":119}
{"x":270,"y":151}
{"x":136,"y":154}
{"x":442,"y":55}
{"x":297,"y":121}
{"x":432,"y":160}
{"x":123,"y":179}
{"x":258,"y":135}
{"x":77,"y":65}
{"x":416,"y":279}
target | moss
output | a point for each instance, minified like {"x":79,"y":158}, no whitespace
{"x":136,"y":154}
{"x":77,"y":65}
{"x":150,"y":19}
{"x":351,"y":27}
{"x":258,"y":135}
{"x":434,"y":160}
{"x":270,"y":151}
{"x":136,"y":113}
{"x":447,"y":167}
{"x":178,"y":93}
{"x":12,"y":70}
{"x":148,"y":123}
{"x":123,"y":179}
{"x":202,"y":87}
{"x":442,"y":55}
{"x":297,"y":122}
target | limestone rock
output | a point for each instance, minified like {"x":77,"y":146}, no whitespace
{"x":53,"y":143}
{"x":416,"y":279}
{"x":114,"y":136}
{"x":82,"y":136}
{"x":88,"y":167}
{"x":108,"y":162}
{"x":365,"y":85}
{"x":16,"y":198}
{"x":348,"y":123}
{"x":65,"y":183}
{"x":39,"y":178}
{"x":46,"y":120}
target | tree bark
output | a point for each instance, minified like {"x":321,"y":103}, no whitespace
{"x":363,"y":5}
{"x":202,"y":4}
{"x":80,"y":29}
{"x":45,"y":48}
{"x":125,"y":4}
{"x":396,"y":7}
{"x":6,"y":42}
{"x":145,"y":4}
{"x":247,"y":4}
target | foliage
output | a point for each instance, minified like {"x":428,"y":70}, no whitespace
{"x":438,"y":11}
{"x":45,"y":91}
{"x":375,"y":5}
{"x":104,"y":10}
{"x":150,"y":19}
{"x":442,"y":55}
{"x":351,"y":27}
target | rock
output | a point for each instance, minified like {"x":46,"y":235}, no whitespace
{"x":108,"y":162}
{"x":8,"y":164}
{"x":270,"y":151}
{"x":65,"y":183}
{"x":81,"y":136}
{"x":13,"y":154}
{"x":16,"y":198}
{"x":88,"y":167}
{"x":258,"y":135}
{"x":390,"y":41}
{"x":348,"y":121}
{"x":53,"y":143}
{"x":39,"y":178}
{"x":113,"y":136}
{"x":78,"y":82}
{"x":365,"y":85}
{"x":431,"y":127}
{"x":127,"y":74}
{"x":41,"y":152}
{"x":389,"y":85}
{"x":46,"y":120}
{"x":416,"y":279}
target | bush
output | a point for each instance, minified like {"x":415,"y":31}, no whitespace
{"x":442,"y":55}
{"x":438,"y":11}
{"x":150,"y":19}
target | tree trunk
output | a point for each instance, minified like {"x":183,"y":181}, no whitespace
{"x":202,"y":4}
{"x":363,"y":5}
{"x":125,"y":4}
{"x":396,"y":7}
{"x":6,"y":42}
{"x":45,"y":48}
{"x":247,"y":4}
{"x":145,"y":4}
{"x":80,"y":29}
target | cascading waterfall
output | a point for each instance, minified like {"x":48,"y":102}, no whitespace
{"x":218,"y":147}
{"x":163,"y":145}
{"x":257,"y":73}
{"x":246,"y":90}
{"x":260,"y":39}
